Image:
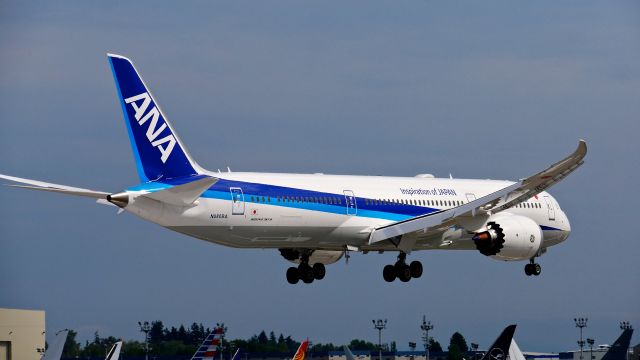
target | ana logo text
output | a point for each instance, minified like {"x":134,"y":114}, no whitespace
{"x":140,"y":103}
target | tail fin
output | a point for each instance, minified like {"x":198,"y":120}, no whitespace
{"x":236,"y":356}
{"x":114,"y":353}
{"x":348,"y":353}
{"x":158,"y":152}
{"x":209,"y":347}
{"x":500,"y":348}
{"x":302,"y":351}
{"x":54,"y":352}
{"x":618,"y":351}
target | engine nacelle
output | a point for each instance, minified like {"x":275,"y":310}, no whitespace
{"x":509,"y":237}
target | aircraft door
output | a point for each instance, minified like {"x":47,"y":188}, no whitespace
{"x":552,"y":211}
{"x":470,"y":197}
{"x":237,"y":201}
{"x":350,"y":202}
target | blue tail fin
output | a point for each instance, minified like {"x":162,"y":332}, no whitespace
{"x":156,"y":147}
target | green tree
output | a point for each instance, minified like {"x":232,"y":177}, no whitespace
{"x":262,"y":338}
{"x":156,"y":334}
{"x":362,"y":345}
{"x":459,"y":340}
{"x":434,"y":346}
{"x":457,"y":347}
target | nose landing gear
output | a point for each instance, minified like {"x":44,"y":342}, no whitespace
{"x":401,"y":270}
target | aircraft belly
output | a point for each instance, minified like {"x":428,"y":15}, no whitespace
{"x":274,"y":236}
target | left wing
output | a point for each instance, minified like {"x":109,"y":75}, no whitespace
{"x":494,"y":202}
{"x":44,"y":186}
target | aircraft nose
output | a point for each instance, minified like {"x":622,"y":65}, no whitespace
{"x":566,"y":231}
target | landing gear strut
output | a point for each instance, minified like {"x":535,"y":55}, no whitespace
{"x":305,"y":272}
{"x":401,"y":270}
{"x":532,"y":268}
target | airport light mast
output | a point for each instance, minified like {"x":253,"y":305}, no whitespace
{"x":474,"y":348}
{"x":145,"y":327}
{"x":581,"y":323}
{"x":591,"y":342}
{"x":426,"y":326}
{"x":380,"y":325}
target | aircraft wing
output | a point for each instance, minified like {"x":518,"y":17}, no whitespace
{"x":44,"y":186}
{"x":494,"y":202}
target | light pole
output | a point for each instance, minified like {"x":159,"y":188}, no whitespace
{"x":581,"y":323}
{"x":380,"y":325}
{"x":591,"y":342}
{"x":474,"y":348}
{"x":412,"y":346}
{"x":145,"y":327}
{"x":426,"y":326}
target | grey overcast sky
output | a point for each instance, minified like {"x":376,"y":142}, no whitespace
{"x":495,"y":89}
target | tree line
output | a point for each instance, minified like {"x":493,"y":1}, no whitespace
{"x":184,"y":341}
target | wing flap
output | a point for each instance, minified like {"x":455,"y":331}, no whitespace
{"x":494,"y":202}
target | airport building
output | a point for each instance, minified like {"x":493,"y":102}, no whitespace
{"x":22,"y":334}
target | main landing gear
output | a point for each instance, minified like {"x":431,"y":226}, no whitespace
{"x":305,"y":272}
{"x":401,"y":270}
{"x":532,"y":268}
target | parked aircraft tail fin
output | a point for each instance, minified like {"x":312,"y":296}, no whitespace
{"x":210,"y":346}
{"x":500,"y":348}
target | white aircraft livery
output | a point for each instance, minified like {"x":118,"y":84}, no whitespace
{"x":315,"y":219}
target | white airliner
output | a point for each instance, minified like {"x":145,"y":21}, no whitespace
{"x":314,"y":219}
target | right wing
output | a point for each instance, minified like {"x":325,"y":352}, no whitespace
{"x":494,"y":202}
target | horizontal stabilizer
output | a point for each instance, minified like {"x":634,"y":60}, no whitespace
{"x":183,"y":195}
{"x":44,"y":186}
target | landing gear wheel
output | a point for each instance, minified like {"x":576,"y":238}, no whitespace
{"x":293,"y":275}
{"x":319,"y":271}
{"x":306,"y":273}
{"x":527,"y":270}
{"x":537,"y":269}
{"x":416,"y":269}
{"x":403,"y":272}
{"x":389,"y":273}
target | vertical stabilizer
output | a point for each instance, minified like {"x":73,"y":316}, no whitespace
{"x":348,"y":353}
{"x":54,"y":352}
{"x":236,"y":356}
{"x":500,"y":348}
{"x":514,"y":351}
{"x":618,"y":351}
{"x":210,"y":346}
{"x":114,"y":353}
{"x":301,"y":353}
{"x":158,"y":152}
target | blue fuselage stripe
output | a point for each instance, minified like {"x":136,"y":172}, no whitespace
{"x":364,"y":206}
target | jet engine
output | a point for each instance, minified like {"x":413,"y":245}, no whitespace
{"x":509,"y":237}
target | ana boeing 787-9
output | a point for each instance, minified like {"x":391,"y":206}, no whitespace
{"x":314,"y":219}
